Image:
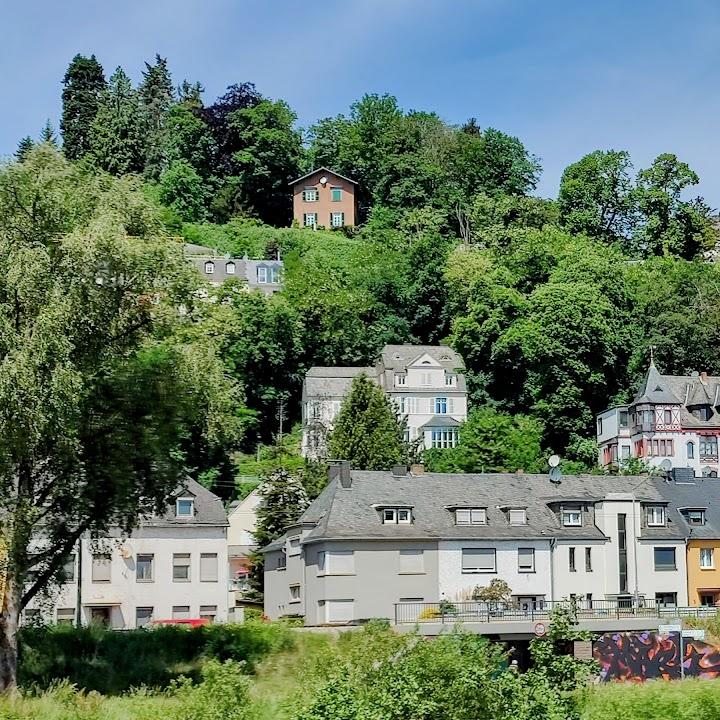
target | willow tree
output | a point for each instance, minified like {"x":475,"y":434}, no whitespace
{"x":102,"y":383}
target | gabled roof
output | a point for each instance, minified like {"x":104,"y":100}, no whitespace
{"x":321,"y":169}
{"x":655,"y":389}
{"x":208,"y":508}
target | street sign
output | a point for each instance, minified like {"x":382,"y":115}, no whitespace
{"x":540,"y":629}
{"x":667,"y":629}
{"x":694,"y":634}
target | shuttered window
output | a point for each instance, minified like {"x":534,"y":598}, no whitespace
{"x":208,"y":567}
{"x":412,"y":561}
{"x":478,"y":560}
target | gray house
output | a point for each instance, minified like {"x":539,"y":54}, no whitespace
{"x":377,"y":543}
{"x":263,"y":275}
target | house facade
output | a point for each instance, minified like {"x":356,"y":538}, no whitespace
{"x":217,"y":268}
{"x":673,"y":422}
{"x":425,"y":383}
{"x":171,"y":567}
{"x":242,"y":521}
{"x":377,"y":543}
{"x":324,"y":198}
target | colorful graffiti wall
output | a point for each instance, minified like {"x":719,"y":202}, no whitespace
{"x":649,"y":655}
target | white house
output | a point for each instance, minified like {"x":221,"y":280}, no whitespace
{"x":425,"y":383}
{"x":172,"y":567}
{"x":242,"y":520}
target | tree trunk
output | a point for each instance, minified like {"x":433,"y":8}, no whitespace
{"x":9,"y":620}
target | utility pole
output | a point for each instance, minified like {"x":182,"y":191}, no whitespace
{"x":78,"y":609}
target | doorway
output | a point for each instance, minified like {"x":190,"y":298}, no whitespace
{"x":100,"y":616}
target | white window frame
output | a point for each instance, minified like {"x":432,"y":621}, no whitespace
{"x":450,"y":380}
{"x":478,"y":552}
{"x":475,"y":516}
{"x":262,"y":275}
{"x":177,"y":562}
{"x":528,"y":567}
{"x":274,"y":275}
{"x":209,"y":567}
{"x":230,"y":268}
{"x":328,"y":558}
{"x":704,"y":554}
{"x":568,"y":517}
{"x":311,"y":194}
{"x":294,"y":591}
{"x":149,"y":616}
{"x":294,"y":546}
{"x":337,"y":219}
{"x":185,"y":500}
{"x":397,"y":516}
{"x":209,"y":267}
{"x":150,"y":559}
{"x":310,"y":220}
{"x":444,"y":438}
{"x":441,"y":406}
{"x":180,"y":612}
{"x":101,"y":560}
{"x":400,"y":379}
{"x":655,"y":516}
{"x":520,"y":517}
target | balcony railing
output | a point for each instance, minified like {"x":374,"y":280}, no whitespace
{"x":482,"y":612}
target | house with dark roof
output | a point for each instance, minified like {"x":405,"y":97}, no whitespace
{"x":376,"y":542}
{"x":324,"y":198}
{"x":173,"y":567}
{"x":673,"y":422}
{"x":425,"y":383}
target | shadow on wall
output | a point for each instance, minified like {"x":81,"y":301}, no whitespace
{"x":637,"y":657}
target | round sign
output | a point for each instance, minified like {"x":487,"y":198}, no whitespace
{"x":540,"y":629}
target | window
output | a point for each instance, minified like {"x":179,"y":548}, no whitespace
{"x":181,"y":612}
{"x":335,"y":194}
{"x":478,"y":560}
{"x":526,"y":560}
{"x":400,"y":379}
{"x":588,"y":559}
{"x":425,"y":379}
{"x":393,"y":516}
{"x":209,"y":267}
{"x":339,"y":611}
{"x":230,"y":268}
{"x":702,"y":413}
{"x":708,"y":446}
{"x":185,"y":507}
{"x":664,"y":558}
{"x":337,"y":562}
{"x":68,"y":570}
{"x":444,"y":438}
{"x":441,"y":406}
{"x":625,"y":452}
{"x":294,"y":593}
{"x":412,"y":562}
{"x":144,"y":568}
{"x":310,"y":219}
{"x":294,"y":546}
{"x":572,"y":518}
{"x":208,"y":567}
{"x":571,"y":559}
{"x":622,"y":551}
{"x":262,"y":275}
{"x":706,"y":558}
{"x":181,"y":567}
{"x":517,"y":517}
{"x":337,"y":219}
{"x":65,"y":616}
{"x":599,"y":424}
{"x":470,"y":516}
{"x":450,"y":380}
{"x":273,"y":275}
{"x":666,"y":598}
{"x":281,"y":561}
{"x":690,"y":450}
{"x":208,"y":612}
{"x":667,"y":417}
{"x":101,"y":568}
{"x":143,"y":616}
{"x":623,"y":418}
{"x":695,"y":517}
{"x":310,"y":194}
{"x":656,"y":516}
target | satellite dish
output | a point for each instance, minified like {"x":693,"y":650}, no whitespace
{"x":555,"y":475}
{"x":666,"y":464}
{"x":125,"y":552}
{"x":323,"y":180}
{"x":554,"y":461}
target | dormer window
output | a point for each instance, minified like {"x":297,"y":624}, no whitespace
{"x":209,"y":267}
{"x":702,"y":412}
{"x":655,"y":516}
{"x":185,"y":507}
{"x":470,"y":516}
{"x":694,"y":516}
{"x":571,"y":517}
{"x":400,"y":379}
{"x":396,"y":516}
{"x":230,"y":268}
{"x":262,"y":275}
{"x":517,"y":517}
{"x":450,"y":380}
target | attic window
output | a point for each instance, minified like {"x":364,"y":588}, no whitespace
{"x":425,"y":362}
{"x":185,"y":507}
{"x":517,"y":517}
{"x":571,"y":517}
{"x":655,"y":516}
{"x":695,"y":517}
{"x":470,"y":516}
{"x":209,"y":267}
{"x":445,"y":357}
{"x":230,"y":268}
{"x":396,"y":516}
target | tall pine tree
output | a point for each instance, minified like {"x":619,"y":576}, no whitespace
{"x":367,"y":431}
{"x":156,"y":96}
{"x":47,"y":134}
{"x":84,"y":83}
{"x":24,"y":147}
{"x":117,"y":139}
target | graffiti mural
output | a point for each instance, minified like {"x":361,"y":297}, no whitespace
{"x":650,"y":655}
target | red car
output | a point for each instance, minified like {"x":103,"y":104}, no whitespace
{"x":192,"y":622}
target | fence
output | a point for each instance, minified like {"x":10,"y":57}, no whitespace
{"x":484,"y":612}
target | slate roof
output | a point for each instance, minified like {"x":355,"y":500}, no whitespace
{"x":340,"y":513}
{"x":398,"y":357}
{"x":209,"y":510}
{"x":321,"y":169}
{"x":332,"y":382}
{"x":245,"y":269}
{"x":703,"y":493}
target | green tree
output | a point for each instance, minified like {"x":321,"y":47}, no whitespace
{"x":670,"y":224}
{"x":116,"y":133}
{"x":24,"y":147}
{"x":83,"y":85}
{"x":99,"y":394}
{"x":367,"y":431}
{"x":47,"y":134}
{"x":597,"y":196}
{"x":492,"y":441}
{"x":184,"y":191}
{"x":156,"y":97}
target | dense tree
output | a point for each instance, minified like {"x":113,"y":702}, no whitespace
{"x":47,"y":134}
{"x":156,"y":97}
{"x":83,"y":85}
{"x":24,"y":147}
{"x":184,"y":191}
{"x":117,"y":142}
{"x":367,"y":431}
{"x":99,"y":394}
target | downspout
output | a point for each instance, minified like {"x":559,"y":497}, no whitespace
{"x":553,"y":542}
{"x":635,"y":553}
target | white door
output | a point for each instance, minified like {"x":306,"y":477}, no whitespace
{"x":339,"y":611}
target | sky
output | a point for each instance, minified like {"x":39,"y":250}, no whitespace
{"x":565,"y":76}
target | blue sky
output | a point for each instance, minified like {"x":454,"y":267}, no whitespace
{"x":567,"y":77}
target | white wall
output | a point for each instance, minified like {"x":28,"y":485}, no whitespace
{"x":456,"y":585}
{"x":243,"y":519}
{"x":597,"y":582}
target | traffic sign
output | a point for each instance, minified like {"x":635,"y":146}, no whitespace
{"x":694,"y":634}
{"x":540,"y":629}
{"x":667,"y":629}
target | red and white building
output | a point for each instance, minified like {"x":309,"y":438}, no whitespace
{"x":673,"y":422}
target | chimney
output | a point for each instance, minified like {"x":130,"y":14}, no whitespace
{"x":704,"y":376}
{"x":399,"y":471}
{"x":340,"y":469}
{"x":417,"y":469}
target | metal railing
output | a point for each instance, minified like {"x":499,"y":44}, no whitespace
{"x":484,"y":612}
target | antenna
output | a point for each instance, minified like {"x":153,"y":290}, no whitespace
{"x":556,"y":475}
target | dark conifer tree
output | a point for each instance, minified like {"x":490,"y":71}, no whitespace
{"x":24,"y":147}
{"x":156,"y":97}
